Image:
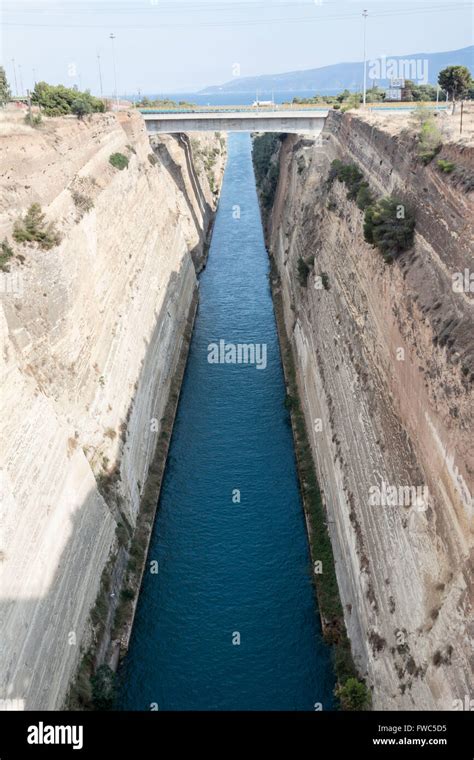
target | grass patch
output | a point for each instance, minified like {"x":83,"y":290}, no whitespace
{"x":445,"y":166}
{"x":118,"y":161}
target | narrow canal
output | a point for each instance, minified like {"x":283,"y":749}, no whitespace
{"x":229,"y":621}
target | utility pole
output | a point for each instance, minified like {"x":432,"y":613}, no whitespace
{"x":112,"y":37}
{"x":365,"y":14}
{"x":14,"y":76}
{"x":100,"y":75}
{"x":34,"y":77}
{"x":21,"y":79}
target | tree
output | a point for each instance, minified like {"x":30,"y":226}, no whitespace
{"x":57,"y":100}
{"x":103,"y":688}
{"x":353,"y":695}
{"x":5,"y":93}
{"x":456,"y":81}
{"x":33,"y":228}
{"x":343,"y":95}
{"x":81,"y":107}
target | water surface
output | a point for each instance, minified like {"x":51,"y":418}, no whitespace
{"x":230,"y":570}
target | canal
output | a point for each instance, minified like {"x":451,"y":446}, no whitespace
{"x":229,"y":621}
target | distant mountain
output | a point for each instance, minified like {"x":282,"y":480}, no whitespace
{"x":340,"y":76}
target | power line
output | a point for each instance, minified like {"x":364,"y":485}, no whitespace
{"x":243,"y":22}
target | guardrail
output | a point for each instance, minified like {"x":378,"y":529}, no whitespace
{"x":279,"y":108}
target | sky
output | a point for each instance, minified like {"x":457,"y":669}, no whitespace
{"x":162,"y":46}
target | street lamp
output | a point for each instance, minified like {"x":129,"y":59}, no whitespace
{"x":112,"y":37}
{"x":14,"y":76}
{"x":21,"y":79}
{"x":100,"y":75}
{"x":365,"y":14}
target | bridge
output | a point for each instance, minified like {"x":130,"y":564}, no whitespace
{"x":235,"y":121}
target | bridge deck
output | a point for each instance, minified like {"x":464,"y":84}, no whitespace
{"x":236,"y":121}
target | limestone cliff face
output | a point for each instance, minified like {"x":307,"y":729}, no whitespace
{"x":386,"y":367}
{"x":91,"y":333}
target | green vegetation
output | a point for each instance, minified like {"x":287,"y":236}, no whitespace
{"x":364,"y":196}
{"x":353,"y":101}
{"x":163,"y":103}
{"x":353,"y":695}
{"x":357,"y":188}
{"x":118,"y":161}
{"x":429,"y":136}
{"x":389,"y":225}
{"x":265,"y":151}
{"x":81,"y":107}
{"x":445,"y":166}
{"x":6,"y":253}
{"x":456,"y":81}
{"x":57,"y":100}
{"x":33,"y":119}
{"x":103,"y":688}
{"x":5,"y":93}
{"x":33,"y":228}
{"x":418,"y":92}
{"x":327,"y":589}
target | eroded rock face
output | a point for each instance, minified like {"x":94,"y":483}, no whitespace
{"x":91,"y":333}
{"x":386,"y":368}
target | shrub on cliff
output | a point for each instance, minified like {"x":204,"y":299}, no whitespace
{"x":429,"y":136}
{"x":103,"y":688}
{"x":353,"y":695}
{"x":389,"y":225}
{"x":446,"y":166}
{"x":118,"y":161}
{"x":32,"y":228}
{"x":351,"y":175}
{"x":33,"y":119}
{"x":364,"y":197}
{"x":6,"y":253}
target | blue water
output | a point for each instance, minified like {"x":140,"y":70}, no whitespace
{"x":230,"y":568}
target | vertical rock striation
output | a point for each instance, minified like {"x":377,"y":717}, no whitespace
{"x":92,"y":331}
{"x":385,"y":364}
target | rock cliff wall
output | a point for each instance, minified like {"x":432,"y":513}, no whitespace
{"x":385,"y":364}
{"x":92,"y":331}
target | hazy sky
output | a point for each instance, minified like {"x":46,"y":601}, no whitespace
{"x":164,"y":46}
